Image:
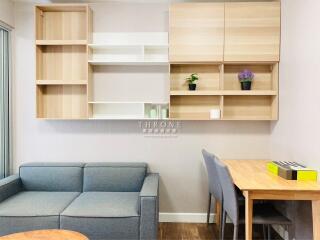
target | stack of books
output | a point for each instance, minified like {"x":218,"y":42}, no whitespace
{"x":292,"y":171}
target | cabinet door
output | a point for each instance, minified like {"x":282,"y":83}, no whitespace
{"x":196,"y":32}
{"x":252,"y":32}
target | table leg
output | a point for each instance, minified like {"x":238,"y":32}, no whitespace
{"x":248,"y":216}
{"x":218,"y":211}
{"x":316,"y":219}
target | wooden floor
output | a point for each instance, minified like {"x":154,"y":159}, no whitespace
{"x":199,"y":231}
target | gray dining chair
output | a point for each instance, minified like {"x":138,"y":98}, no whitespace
{"x":215,"y":189}
{"x":263,"y":214}
{"x":214,"y":184}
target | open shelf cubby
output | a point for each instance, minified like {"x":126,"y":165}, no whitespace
{"x":209,"y":76}
{"x":250,"y":107}
{"x":62,"y":63}
{"x":62,"y":101}
{"x":265,"y":76}
{"x":193,"y":107}
{"x":127,"y":110}
{"x":61,"y":22}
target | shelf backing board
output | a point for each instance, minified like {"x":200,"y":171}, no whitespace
{"x":119,"y":110}
{"x":129,"y":83}
{"x":130,"y":38}
{"x":62,"y":101}
{"x":124,"y":110}
{"x":61,"y":22}
{"x":57,"y":62}
{"x":250,"y":107}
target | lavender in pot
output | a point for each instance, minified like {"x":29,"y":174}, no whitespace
{"x":246,"y":78}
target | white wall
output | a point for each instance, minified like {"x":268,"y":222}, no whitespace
{"x":7,"y":12}
{"x":178,"y":160}
{"x":296,"y":136}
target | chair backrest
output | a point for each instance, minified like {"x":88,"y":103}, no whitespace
{"x":52,"y":177}
{"x":114,"y":177}
{"x":230,"y":202}
{"x":213,"y":178}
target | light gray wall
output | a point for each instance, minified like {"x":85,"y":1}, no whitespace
{"x":6,"y":12}
{"x":177,"y":159}
{"x":296,"y":136}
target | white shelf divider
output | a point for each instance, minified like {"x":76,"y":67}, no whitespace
{"x":138,"y":48}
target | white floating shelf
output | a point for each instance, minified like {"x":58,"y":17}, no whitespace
{"x":134,"y":63}
{"x":107,"y":46}
{"x":116,"y":117}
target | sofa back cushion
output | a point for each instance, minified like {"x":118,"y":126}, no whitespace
{"x":114,"y":177}
{"x":59,"y":177}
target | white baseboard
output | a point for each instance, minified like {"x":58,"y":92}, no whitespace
{"x":186,"y":217}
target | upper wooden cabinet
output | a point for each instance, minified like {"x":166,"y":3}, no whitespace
{"x":196,"y":32}
{"x":252,"y":32}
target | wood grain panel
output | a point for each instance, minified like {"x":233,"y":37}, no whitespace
{"x":62,"y":26}
{"x":193,"y":107}
{"x":67,"y":63}
{"x":62,"y":101}
{"x":253,"y":175}
{"x":248,"y":107}
{"x":196,"y":32}
{"x":252,"y":31}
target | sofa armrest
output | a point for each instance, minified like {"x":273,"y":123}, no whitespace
{"x":150,"y":185}
{"x":9,"y":186}
{"x":149,"y":207}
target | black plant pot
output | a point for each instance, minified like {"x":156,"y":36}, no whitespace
{"x":245,"y":85}
{"x":192,"y":86}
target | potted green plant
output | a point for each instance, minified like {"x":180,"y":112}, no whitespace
{"x":191,"y":80}
{"x":246,"y":78}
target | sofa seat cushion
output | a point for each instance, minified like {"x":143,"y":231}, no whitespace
{"x":26,"y":211}
{"x":104,"y":215}
{"x":104,"y":204}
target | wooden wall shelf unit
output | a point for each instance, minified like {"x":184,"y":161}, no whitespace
{"x":62,"y":34}
{"x":217,"y":41}
{"x":81,"y":74}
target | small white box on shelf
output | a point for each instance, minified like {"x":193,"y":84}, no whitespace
{"x":215,"y":113}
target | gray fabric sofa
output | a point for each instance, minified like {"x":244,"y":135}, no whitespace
{"x":100,"y":200}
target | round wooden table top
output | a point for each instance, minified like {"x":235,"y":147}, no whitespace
{"x":54,"y":234}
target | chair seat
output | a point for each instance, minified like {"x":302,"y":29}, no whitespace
{"x":264,"y":214}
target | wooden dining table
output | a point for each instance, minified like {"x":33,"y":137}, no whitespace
{"x":256,"y":183}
